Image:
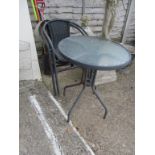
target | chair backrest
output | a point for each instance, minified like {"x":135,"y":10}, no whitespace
{"x":58,"y":30}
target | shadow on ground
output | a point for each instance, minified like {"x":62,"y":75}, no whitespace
{"x":115,"y":134}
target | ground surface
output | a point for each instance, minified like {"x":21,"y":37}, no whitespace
{"x":43,"y":128}
{"x":115,"y":134}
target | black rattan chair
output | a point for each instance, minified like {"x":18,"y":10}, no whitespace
{"x":53,"y":32}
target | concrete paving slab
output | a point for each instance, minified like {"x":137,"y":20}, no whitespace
{"x":115,"y":134}
{"x":41,"y":120}
{"x":32,"y":138}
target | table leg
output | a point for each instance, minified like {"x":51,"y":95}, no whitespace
{"x":89,"y":81}
{"x":69,"y":113}
{"x":97,"y":94}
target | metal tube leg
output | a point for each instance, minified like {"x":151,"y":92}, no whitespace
{"x":78,"y":97}
{"x":54,"y":75}
{"x":68,"y":86}
{"x":52,"y":68}
{"x":93,"y":80}
{"x":72,"y":85}
{"x":105,"y":108}
{"x":57,"y":82}
{"x":53,"y":79}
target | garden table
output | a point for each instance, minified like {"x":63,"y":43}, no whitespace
{"x":92,"y":54}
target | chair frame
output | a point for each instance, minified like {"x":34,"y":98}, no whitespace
{"x":52,"y":52}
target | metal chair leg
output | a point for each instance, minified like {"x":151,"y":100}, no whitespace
{"x":96,"y":94}
{"x":53,"y":79}
{"x":54,"y":75}
{"x":51,"y":64}
{"x":57,"y":82}
{"x":76,"y":100}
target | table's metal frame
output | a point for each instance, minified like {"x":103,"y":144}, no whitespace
{"x":88,"y":81}
{"x":75,"y":84}
{"x":89,"y":78}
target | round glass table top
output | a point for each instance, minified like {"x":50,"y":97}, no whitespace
{"x":94,"y":53}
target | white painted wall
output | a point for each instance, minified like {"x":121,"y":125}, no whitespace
{"x":28,"y":61}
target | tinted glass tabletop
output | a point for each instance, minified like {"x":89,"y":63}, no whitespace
{"x":95,"y":53}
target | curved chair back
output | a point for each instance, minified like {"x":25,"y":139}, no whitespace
{"x":52,"y":33}
{"x":56,"y":30}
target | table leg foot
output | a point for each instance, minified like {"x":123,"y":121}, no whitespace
{"x":75,"y":102}
{"x":105,"y":108}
